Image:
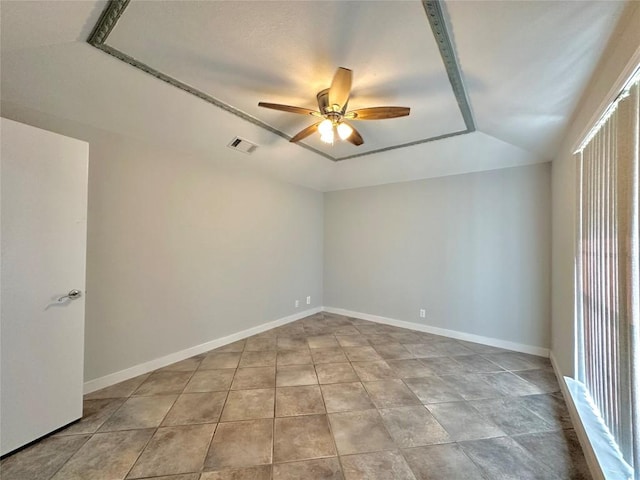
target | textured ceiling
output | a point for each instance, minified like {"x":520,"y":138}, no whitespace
{"x":525,"y":65}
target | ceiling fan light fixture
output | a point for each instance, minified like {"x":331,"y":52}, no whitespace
{"x":332,"y":106}
{"x":328,"y":136}
{"x":344,"y":131}
{"x":325,"y":127}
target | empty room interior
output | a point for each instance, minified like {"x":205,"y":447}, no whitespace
{"x":320,"y":240}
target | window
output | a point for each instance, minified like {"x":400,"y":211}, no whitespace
{"x":607,"y":274}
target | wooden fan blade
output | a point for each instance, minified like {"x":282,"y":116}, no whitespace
{"x":340,"y":88}
{"x":379,"y":113}
{"x":305,"y":133}
{"x":287,"y":108}
{"x":355,"y":137}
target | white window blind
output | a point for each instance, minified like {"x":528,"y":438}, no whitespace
{"x":607,"y":271}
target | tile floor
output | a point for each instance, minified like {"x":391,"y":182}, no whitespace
{"x":326,"y":397}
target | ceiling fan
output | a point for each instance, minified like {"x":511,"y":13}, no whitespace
{"x":332,"y":109}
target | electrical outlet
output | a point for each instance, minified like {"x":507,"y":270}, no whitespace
{"x":297,"y":303}
{"x":423,"y":313}
{"x":309,"y":300}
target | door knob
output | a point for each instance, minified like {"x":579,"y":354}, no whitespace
{"x":73,"y":294}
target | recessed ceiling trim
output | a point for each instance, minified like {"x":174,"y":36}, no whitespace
{"x":106,"y":23}
{"x":408,"y":144}
{"x":115,"y":8}
{"x":448,"y":54}
{"x":110,"y":16}
{"x":198,"y":93}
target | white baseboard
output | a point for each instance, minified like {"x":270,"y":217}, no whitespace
{"x":146,"y":367}
{"x":469,"y":337}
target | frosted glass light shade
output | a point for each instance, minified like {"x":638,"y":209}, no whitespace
{"x":325,"y":127}
{"x":344,"y":131}
{"x":327,"y":137}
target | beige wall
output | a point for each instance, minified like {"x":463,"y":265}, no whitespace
{"x":473,"y":250}
{"x":624,"y":43}
{"x":183,"y":249}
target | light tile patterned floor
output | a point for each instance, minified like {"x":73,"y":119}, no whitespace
{"x":326,"y":397}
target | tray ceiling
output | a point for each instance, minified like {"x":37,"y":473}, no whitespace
{"x":285,"y":52}
{"x":525,"y":65}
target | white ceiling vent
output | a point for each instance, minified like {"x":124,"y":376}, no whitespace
{"x":242,"y":145}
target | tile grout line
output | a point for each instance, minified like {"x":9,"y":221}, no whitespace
{"x":273,"y":425}
{"x":133,"y":464}
{"x":89,"y":437}
{"x":224,"y":404}
{"x":333,"y":438}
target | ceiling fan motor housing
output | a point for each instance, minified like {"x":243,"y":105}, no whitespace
{"x":328,"y":112}
{"x":323,"y":103}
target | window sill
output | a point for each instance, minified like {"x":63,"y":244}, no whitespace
{"x":610,"y":462}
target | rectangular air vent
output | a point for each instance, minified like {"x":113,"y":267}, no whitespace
{"x":242,"y":145}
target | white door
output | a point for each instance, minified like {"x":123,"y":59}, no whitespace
{"x":43,"y":238}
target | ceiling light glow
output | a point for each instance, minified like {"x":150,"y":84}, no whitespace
{"x":344,"y":131}
{"x":325,"y":127}
{"x":327,"y":137}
